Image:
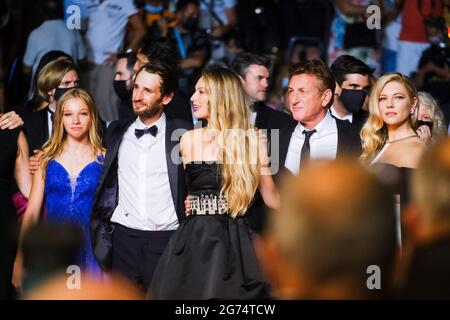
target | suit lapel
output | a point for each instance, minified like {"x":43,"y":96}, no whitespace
{"x":115,"y":138}
{"x":172,"y":168}
{"x":285,"y":139}
{"x":44,"y":123}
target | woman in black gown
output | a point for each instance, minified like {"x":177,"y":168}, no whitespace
{"x":211,"y":255}
{"x":13,"y":165}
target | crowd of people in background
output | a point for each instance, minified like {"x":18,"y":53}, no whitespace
{"x":125,"y":127}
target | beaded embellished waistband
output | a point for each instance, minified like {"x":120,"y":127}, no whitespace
{"x":208,"y":204}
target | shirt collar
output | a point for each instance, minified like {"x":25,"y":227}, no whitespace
{"x":324,"y":127}
{"x":160,"y":123}
{"x":348,"y":117}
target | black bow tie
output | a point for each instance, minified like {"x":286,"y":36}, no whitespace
{"x":153,"y":130}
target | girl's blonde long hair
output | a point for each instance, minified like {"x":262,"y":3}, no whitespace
{"x":229,"y":117}
{"x":374,"y":132}
{"x":54,"y":146}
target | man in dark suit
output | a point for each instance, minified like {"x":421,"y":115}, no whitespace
{"x":163,"y":51}
{"x":254,"y":73}
{"x":314,"y":133}
{"x":140,"y":199}
{"x":352,"y":90}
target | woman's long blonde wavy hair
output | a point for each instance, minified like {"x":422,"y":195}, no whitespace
{"x":54,"y":146}
{"x":374,"y":132}
{"x":229,"y":114}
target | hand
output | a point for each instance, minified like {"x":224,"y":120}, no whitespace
{"x":424,"y":133}
{"x":10,"y":120}
{"x":18,"y":272}
{"x":187,"y":205}
{"x":35,"y":160}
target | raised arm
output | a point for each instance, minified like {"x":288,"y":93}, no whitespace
{"x":21,"y":169}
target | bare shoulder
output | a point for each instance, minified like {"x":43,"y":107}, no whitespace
{"x":412,"y":151}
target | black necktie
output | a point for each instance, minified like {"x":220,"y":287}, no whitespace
{"x":153,"y":130}
{"x":306,"y":149}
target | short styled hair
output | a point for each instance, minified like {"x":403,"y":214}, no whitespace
{"x":245,"y":59}
{"x":169,"y":79}
{"x":347,"y":64}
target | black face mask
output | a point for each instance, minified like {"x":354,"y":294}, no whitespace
{"x":120,"y":87}
{"x":352,"y":100}
{"x":424,"y":123}
{"x":60,"y":91}
{"x":191,"y":23}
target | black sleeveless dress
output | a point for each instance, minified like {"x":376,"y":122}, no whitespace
{"x":8,"y":217}
{"x":209,"y":256}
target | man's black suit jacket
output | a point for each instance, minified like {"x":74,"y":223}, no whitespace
{"x":106,"y":198}
{"x":267,"y":118}
{"x":349,"y":143}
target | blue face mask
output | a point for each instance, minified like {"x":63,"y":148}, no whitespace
{"x":151,"y":9}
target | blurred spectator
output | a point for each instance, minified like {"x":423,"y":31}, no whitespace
{"x":352,"y":90}
{"x":48,"y":248}
{"x":433,"y":75}
{"x":306,"y":250}
{"x":349,"y":32}
{"x":217,"y":18}
{"x":392,"y":25}
{"x":303,"y":26}
{"x":430,"y":122}
{"x":413,"y":37}
{"x":123,"y":82}
{"x":53,"y":34}
{"x":428,"y":226}
{"x":157,"y":17}
{"x":105,"y":37}
{"x":258,"y":24}
{"x":254,"y":73}
{"x":192,"y":44}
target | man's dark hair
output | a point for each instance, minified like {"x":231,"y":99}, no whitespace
{"x":169,"y":79}
{"x":347,"y":64}
{"x":52,"y":9}
{"x":130,"y":55}
{"x":319,"y":69}
{"x":182,"y":4}
{"x":161,"y":50}
{"x":245,"y":59}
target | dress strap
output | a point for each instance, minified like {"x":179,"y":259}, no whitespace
{"x":375,"y":160}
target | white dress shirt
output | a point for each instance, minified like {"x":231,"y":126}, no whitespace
{"x":323,"y":143}
{"x":145,"y":199}
{"x":348,"y":117}
{"x":49,"y":123}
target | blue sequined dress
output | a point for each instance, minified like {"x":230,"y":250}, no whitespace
{"x":69,"y":199}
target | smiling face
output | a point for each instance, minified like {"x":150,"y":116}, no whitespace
{"x":76,"y":118}
{"x":147,"y":100}
{"x":200,"y":100}
{"x":395,"y":105}
{"x":306,"y":101}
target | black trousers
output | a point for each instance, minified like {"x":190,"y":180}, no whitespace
{"x":136,"y":253}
